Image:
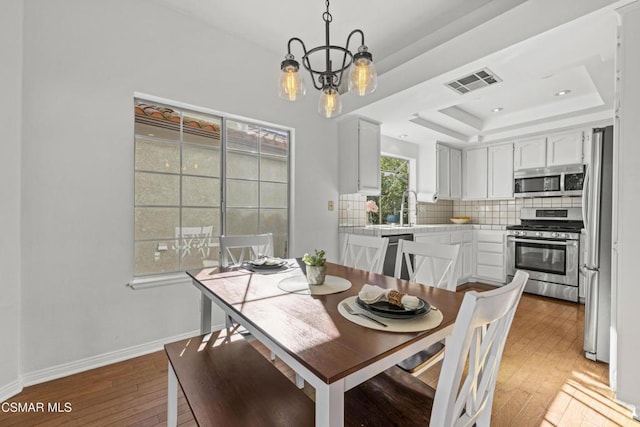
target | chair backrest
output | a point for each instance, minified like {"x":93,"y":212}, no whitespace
{"x":235,"y":250}
{"x":427,"y":263}
{"x":478,"y":337}
{"x":196,"y":238}
{"x":364,"y":252}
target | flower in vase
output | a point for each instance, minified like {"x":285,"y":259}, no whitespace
{"x":371,"y":206}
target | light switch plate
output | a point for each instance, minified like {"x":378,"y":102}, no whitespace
{"x":330,"y":205}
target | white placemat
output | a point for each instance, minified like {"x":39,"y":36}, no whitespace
{"x":298,"y":284}
{"x":421,"y":323}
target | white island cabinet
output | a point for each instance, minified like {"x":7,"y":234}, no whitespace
{"x":359,"y":156}
{"x":464,"y":263}
{"x":490,"y":250}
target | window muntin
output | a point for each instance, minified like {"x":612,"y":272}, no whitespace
{"x":179,"y":181}
{"x":394,"y":180}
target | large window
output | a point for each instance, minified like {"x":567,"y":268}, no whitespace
{"x":394,"y":180}
{"x":198,"y":176}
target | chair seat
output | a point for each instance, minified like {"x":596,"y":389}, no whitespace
{"x":392,"y":398}
{"x":417,"y":361}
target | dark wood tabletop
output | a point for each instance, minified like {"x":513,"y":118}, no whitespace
{"x":310,"y":328}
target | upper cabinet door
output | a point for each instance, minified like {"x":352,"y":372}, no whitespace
{"x":531,"y":153}
{"x":359,"y":157}
{"x":501,"y":172}
{"x":565,"y":148}
{"x":369,"y":157}
{"x":443,"y":182}
{"x":475,"y":173}
{"x":455,"y":173}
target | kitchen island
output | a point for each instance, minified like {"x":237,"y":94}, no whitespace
{"x":489,"y":267}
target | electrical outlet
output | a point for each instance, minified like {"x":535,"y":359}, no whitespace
{"x":330,"y":205}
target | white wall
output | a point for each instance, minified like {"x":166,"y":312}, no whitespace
{"x":83,"y":60}
{"x":10,"y":116}
{"x":626,"y":296}
{"x":398,"y":148}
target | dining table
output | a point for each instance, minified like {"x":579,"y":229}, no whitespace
{"x":310,"y":333}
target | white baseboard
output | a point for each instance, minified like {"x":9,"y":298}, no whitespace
{"x":10,"y":390}
{"x":66,"y":369}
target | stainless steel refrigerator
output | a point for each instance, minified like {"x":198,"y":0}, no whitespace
{"x":597,"y":213}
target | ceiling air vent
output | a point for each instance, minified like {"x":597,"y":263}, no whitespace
{"x":474,"y":81}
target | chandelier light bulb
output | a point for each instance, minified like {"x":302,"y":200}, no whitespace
{"x":330,"y":104}
{"x":363,"y":78}
{"x":291,"y":83}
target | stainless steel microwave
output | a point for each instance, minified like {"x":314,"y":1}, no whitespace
{"x":549,"y":182}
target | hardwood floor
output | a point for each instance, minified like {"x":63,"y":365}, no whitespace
{"x":544,"y":380}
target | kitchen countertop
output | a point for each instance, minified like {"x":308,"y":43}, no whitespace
{"x":386,"y":230}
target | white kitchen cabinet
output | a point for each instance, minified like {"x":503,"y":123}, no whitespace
{"x":464,"y":263}
{"x":474,"y":163}
{"x":359,"y":156}
{"x":565,"y":148}
{"x":443,"y":181}
{"x":490,"y":251}
{"x":552,"y":150}
{"x":443,"y":238}
{"x":449,"y":176}
{"x":530,"y":153}
{"x":455,"y":173}
{"x":500,"y":172}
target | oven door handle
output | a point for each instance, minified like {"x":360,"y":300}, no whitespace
{"x":546,"y":242}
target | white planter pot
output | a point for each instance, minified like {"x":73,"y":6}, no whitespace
{"x":316,"y":274}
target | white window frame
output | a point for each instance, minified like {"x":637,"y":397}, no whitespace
{"x":174,"y":278}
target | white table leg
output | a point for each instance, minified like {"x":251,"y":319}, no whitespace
{"x":330,"y":405}
{"x":299,"y":381}
{"x":205,"y":314}
{"x":172,"y":400}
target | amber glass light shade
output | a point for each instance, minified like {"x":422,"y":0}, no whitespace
{"x":363,"y":78}
{"x":291,"y":84}
{"x":330,"y":104}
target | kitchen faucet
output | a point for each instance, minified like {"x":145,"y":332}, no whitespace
{"x":415,"y":207}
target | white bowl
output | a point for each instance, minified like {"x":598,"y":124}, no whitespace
{"x":459,"y":220}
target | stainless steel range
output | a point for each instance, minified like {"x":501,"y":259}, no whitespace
{"x":547,"y":246}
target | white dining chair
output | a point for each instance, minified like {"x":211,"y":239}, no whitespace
{"x":234,"y":250}
{"x":429,"y":264}
{"x":464,"y":394}
{"x":196,"y":238}
{"x":364,"y":252}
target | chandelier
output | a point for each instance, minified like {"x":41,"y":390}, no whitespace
{"x":363,"y":78}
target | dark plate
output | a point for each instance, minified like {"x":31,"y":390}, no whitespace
{"x":384,"y":309}
{"x":257,"y":267}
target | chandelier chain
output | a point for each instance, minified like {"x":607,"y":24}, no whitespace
{"x":327,"y":16}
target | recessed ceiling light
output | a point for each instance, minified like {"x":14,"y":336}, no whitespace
{"x":563,"y":92}
{"x":497,"y":110}
{"x":403,"y":136}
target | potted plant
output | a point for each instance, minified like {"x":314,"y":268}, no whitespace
{"x":316,"y":268}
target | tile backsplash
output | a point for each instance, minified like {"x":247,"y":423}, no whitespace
{"x":351,"y":210}
{"x":505,"y":212}
{"x":487,"y":212}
